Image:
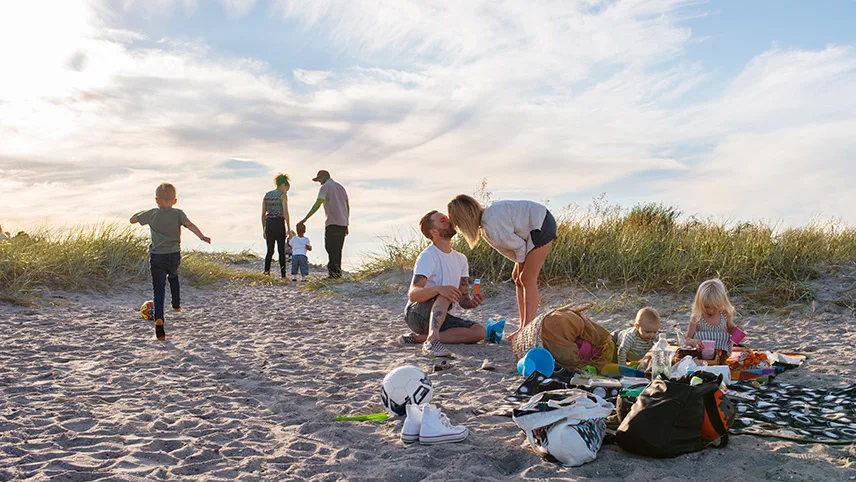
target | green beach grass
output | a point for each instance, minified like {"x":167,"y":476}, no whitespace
{"x":102,"y":258}
{"x":648,"y":248}
{"x":651,"y":247}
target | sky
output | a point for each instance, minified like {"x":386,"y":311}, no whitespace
{"x":726,"y":109}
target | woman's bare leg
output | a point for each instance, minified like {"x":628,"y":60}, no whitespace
{"x":531,"y":269}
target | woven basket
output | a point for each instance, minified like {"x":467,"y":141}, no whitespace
{"x":530,"y":336}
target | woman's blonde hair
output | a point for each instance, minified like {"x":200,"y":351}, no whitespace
{"x":712,"y":293}
{"x":465,"y":213}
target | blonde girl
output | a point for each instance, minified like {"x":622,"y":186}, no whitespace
{"x":712,"y":319}
{"x":522,"y":231}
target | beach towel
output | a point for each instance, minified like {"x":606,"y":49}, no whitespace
{"x":794,"y":412}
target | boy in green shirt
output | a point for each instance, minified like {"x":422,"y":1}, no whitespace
{"x":165,"y":223}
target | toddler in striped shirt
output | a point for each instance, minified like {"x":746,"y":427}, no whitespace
{"x":633,"y":343}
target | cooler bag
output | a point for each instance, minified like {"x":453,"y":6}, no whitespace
{"x":671,"y":418}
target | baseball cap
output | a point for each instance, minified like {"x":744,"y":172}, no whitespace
{"x":321,"y":174}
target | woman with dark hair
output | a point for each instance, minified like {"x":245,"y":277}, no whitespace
{"x":275,"y":221}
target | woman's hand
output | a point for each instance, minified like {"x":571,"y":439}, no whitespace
{"x":517,"y":272}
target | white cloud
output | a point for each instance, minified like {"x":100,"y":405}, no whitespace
{"x":312,"y":77}
{"x":545,"y":102}
{"x":238,"y":8}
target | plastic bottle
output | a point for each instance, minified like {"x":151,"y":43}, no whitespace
{"x":679,"y":338}
{"x":661,"y":358}
{"x":476,"y":286}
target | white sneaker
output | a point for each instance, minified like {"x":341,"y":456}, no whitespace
{"x":435,"y":348}
{"x":412,"y":424}
{"x":294,"y":278}
{"x":436,"y":428}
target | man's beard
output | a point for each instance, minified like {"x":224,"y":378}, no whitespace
{"x":448,"y":233}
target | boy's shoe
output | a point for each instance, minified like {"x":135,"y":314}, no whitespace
{"x":160,"y":333}
{"x":435,"y":348}
{"x":294,"y":278}
{"x":407,"y":339}
{"x":437,"y":429}
{"x":304,"y":279}
{"x":412,"y":424}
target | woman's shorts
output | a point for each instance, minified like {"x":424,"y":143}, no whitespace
{"x":547,"y":233}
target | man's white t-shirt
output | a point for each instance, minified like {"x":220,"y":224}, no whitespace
{"x":441,"y":269}
{"x":298,"y":245}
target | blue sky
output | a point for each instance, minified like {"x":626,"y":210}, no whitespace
{"x":734,"y":110}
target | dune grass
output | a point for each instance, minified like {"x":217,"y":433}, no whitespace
{"x":651,"y":247}
{"x":101,"y":258}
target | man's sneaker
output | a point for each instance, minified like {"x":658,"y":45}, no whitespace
{"x":412,"y":424}
{"x":160,"y":333}
{"x":436,"y":428}
{"x":407,"y":339}
{"x":435,"y":348}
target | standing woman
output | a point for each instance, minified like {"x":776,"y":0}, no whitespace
{"x":522,"y":231}
{"x":275,"y":221}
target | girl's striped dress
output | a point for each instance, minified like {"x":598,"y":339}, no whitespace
{"x":715,"y":333}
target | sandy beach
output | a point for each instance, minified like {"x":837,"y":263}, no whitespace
{"x":250,"y":380}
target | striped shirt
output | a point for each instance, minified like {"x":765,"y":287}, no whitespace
{"x":715,"y":333}
{"x":631,"y":346}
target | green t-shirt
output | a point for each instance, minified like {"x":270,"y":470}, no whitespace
{"x":165,"y":225}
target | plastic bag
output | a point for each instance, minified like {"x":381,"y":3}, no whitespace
{"x":686,"y":365}
{"x":569,"y":425}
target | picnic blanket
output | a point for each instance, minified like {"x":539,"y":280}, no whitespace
{"x":773,"y":409}
{"x":796,"y":413}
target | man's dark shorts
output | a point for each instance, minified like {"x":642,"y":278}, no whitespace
{"x":418,"y":318}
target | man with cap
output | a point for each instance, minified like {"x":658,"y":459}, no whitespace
{"x":337,"y":208}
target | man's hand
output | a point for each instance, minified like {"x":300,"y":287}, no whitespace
{"x":451,"y":293}
{"x":471,"y":302}
{"x":205,"y":239}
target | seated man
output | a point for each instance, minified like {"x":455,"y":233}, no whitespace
{"x":440,"y":278}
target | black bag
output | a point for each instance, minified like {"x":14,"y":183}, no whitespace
{"x":667,"y":418}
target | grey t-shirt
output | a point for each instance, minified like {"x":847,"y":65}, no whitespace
{"x":335,"y":203}
{"x":165,"y":225}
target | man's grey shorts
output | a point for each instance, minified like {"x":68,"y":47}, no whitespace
{"x":418,"y":318}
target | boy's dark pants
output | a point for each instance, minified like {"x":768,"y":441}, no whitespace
{"x":334,"y":240}
{"x":165,"y":266}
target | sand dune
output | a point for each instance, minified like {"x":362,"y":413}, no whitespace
{"x":250,"y":380}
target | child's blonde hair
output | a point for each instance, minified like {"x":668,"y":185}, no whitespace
{"x":465,"y":213}
{"x":647,"y":314}
{"x":712,"y":293}
{"x":165,"y":192}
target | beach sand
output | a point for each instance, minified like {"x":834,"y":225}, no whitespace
{"x":250,"y":380}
